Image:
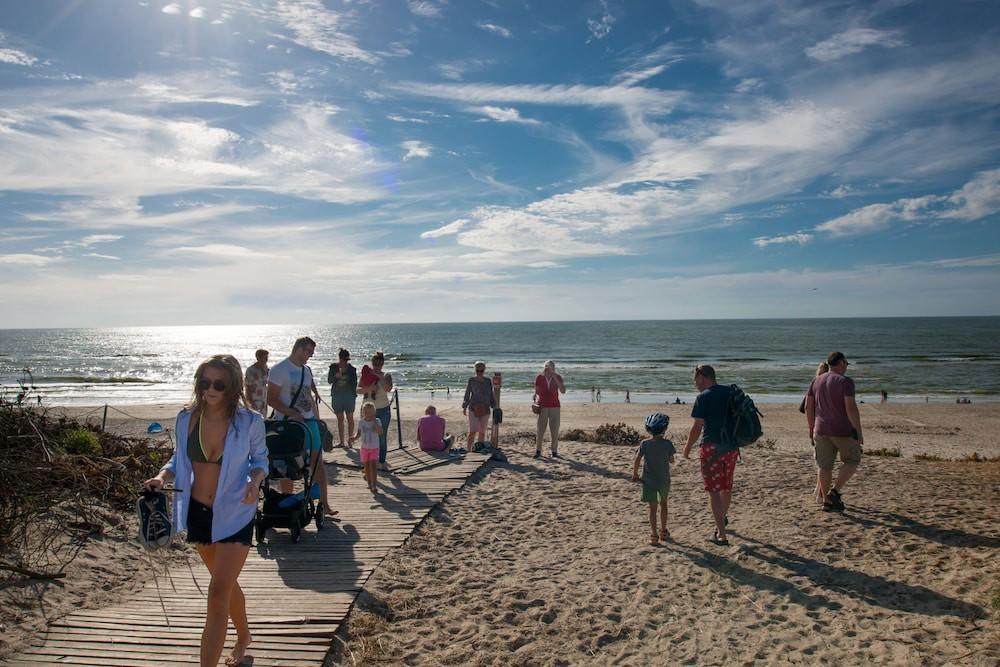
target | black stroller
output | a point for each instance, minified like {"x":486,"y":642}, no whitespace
{"x":288,"y":458}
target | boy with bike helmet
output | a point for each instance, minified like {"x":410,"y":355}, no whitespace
{"x":656,"y":455}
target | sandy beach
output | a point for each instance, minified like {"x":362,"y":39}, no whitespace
{"x":546,"y":561}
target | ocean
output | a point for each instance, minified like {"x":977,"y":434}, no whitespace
{"x":913,"y":359}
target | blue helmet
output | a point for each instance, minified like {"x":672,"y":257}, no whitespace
{"x":657,"y":422}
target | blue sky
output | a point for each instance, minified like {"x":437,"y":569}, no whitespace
{"x":228,"y":161}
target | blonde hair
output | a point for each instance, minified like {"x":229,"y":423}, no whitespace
{"x":549,"y":364}
{"x":366,"y":405}
{"x":822,"y":368}
{"x":234,"y":383}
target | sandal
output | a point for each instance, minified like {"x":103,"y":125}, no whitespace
{"x":714,"y":539}
{"x":664,"y":534}
{"x":654,"y":539}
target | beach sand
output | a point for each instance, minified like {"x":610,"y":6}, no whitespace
{"x":547,"y":562}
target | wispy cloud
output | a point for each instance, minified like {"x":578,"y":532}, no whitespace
{"x":445,"y":230}
{"x":222,"y":250}
{"x":424,"y":8}
{"x":601,"y":26}
{"x":853,"y":41}
{"x":396,"y":118}
{"x":801,"y":238}
{"x":16,"y":57}
{"x":316,"y":27}
{"x":415,"y":149}
{"x":503,"y":115}
{"x":173,"y":8}
{"x":27,"y":260}
{"x":495,"y":29}
{"x":197,"y":13}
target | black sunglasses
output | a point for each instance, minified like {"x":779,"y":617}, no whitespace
{"x":218,"y":385}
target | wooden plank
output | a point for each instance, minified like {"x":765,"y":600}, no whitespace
{"x":307,"y":588}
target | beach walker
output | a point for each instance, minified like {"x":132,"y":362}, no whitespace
{"x":288,"y":458}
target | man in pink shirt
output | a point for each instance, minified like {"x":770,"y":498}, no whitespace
{"x":430,"y":431}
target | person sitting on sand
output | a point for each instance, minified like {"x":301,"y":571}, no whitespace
{"x":717,"y":470}
{"x":834,"y":426}
{"x":255,"y":383}
{"x":430,"y":432}
{"x":656,"y":455}
{"x":477,"y":403}
{"x":218,"y":464}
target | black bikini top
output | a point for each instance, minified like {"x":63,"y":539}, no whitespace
{"x":196,"y":452}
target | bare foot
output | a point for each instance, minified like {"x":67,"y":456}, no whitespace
{"x":236,"y":656}
{"x":330,"y":511}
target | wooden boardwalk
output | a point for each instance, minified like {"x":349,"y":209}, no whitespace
{"x":297,"y":594}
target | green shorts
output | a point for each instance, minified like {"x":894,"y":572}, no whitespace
{"x":651,"y":494}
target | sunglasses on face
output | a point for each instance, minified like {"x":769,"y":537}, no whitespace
{"x":204,"y":384}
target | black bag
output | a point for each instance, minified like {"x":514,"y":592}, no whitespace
{"x":741,"y":424}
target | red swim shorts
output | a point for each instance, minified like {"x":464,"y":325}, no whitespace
{"x":717,"y":471}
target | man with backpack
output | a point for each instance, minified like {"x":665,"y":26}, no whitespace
{"x":834,"y":426}
{"x":710,"y":413}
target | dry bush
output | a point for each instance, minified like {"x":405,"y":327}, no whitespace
{"x":617,"y":434}
{"x":885,"y":452}
{"x":577,"y":435}
{"x":62,"y":479}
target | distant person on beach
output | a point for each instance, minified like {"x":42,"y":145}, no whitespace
{"x":593,"y":394}
{"x":431,"y":432}
{"x":598,"y":394}
{"x":628,"y":396}
{"x":218,"y":464}
{"x":291,"y":392}
{"x":656,"y":454}
{"x":343,"y":379}
{"x":255,"y":383}
{"x":834,"y":426}
{"x":477,"y":404}
{"x":369,"y":432}
{"x":375,"y":385}
{"x":548,"y":386}
{"x":717,"y":470}
{"x":885,"y":396}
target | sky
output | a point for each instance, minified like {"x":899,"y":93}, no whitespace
{"x":335,"y":161}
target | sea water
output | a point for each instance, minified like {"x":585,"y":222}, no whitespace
{"x":913,"y":359}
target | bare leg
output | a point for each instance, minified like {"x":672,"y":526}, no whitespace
{"x":663,"y":519}
{"x":350,"y":423}
{"x":825,"y":481}
{"x":554,"y":429}
{"x":340,"y":427}
{"x":719,"y":507}
{"x":847,"y":471}
{"x":468,"y":445}
{"x":317,"y":461}
{"x":226,"y":563}
{"x":653,"y":535}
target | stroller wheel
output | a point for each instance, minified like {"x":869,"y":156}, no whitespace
{"x":296,"y":534}
{"x":319,"y":520}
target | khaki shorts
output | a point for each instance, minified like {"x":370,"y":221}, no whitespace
{"x":827,"y":447}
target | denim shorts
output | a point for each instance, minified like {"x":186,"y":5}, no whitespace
{"x":343,"y":402}
{"x":199,"y":526}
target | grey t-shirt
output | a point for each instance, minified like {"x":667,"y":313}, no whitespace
{"x":656,"y":455}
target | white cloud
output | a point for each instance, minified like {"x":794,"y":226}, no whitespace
{"x":221,"y":250}
{"x":396,"y":118}
{"x":977,"y":199}
{"x":16,"y":57}
{"x":415,"y":149}
{"x":495,"y":29}
{"x":24,"y":259}
{"x":446,"y":230}
{"x":503,"y":115}
{"x":649,"y":99}
{"x":424,"y":8}
{"x":285,"y":81}
{"x":633,"y":77}
{"x":601,"y":27}
{"x":173,"y":8}
{"x":749,"y":85}
{"x":853,"y":41}
{"x":100,"y":256}
{"x":800,"y":237}
{"x":94,"y":239}
{"x":315,"y":27}
{"x":197,"y":13}
{"x":839,"y":192}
